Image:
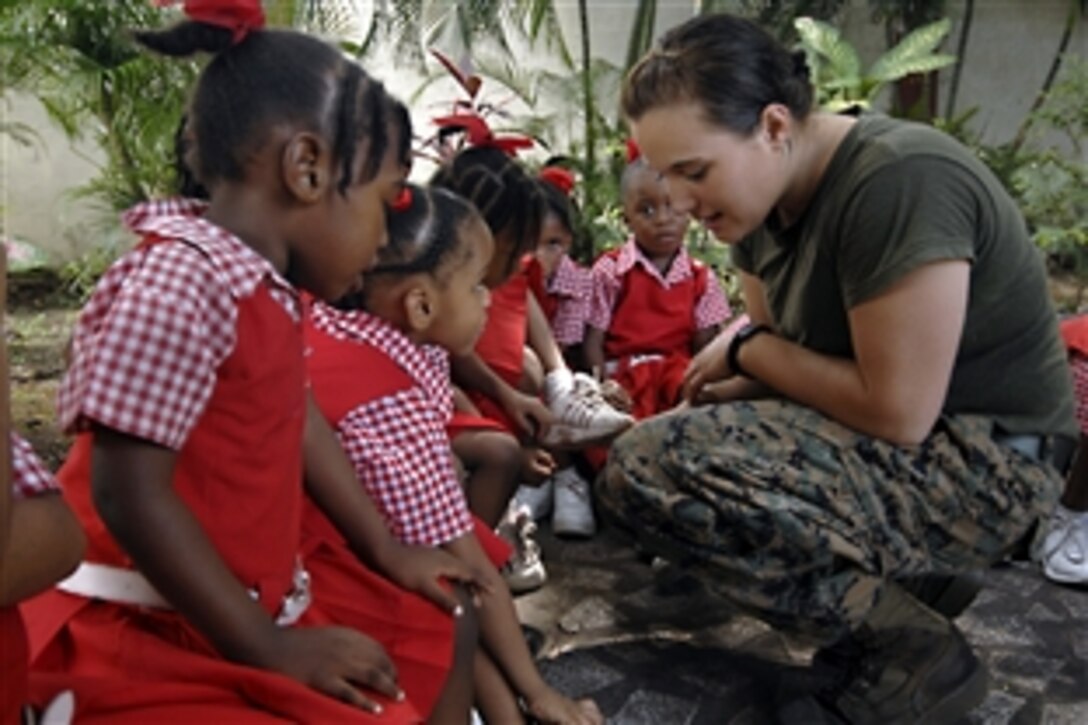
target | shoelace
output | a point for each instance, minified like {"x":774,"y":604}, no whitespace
{"x":582,"y":403}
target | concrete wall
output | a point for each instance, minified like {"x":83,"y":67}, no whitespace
{"x":1011,"y":46}
{"x":36,"y":185}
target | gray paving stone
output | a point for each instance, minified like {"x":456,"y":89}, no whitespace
{"x":649,"y":647}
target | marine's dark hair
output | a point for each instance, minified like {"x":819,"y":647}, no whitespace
{"x":509,"y":199}
{"x":274,"y":77}
{"x":730,"y":66}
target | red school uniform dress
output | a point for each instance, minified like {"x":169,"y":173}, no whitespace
{"x":564,"y":297}
{"x":1075,"y":335}
{"x":650,"y":321}
{"x":502,"y":348}
{"x":29,"y":479}
{"x":389,"y":401}
{"x":191,"y":341}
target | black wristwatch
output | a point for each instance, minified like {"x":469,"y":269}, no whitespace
{"x":743,"y":335}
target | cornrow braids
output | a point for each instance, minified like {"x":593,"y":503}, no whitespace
{"x":247,"y":89}
{"x":510,"y":200}
{"x":423,"y":239}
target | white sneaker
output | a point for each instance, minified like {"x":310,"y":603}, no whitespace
{"x":525,"y":571}
{"x":537,"y":499}
{"x":582,"y":415}
{"x":1064,"y":549}
{"x":572,"y":514}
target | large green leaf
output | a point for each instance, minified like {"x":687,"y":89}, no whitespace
{"x":905,"y":56}
{"x":835,"y":58}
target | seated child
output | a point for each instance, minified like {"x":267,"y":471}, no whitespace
{"x":40,"y":541}
{"x":1062,"y":547}
{"x":196,"y":435}
{"x":562,"y":286}
{"x":40,"y":544}
{"x":494,"y":376}
{"x":653,"y":306}
{"x":381,"y":377}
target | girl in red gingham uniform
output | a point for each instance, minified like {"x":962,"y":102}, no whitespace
{"x":561,"y":286}
{"x":380,"y":373}
{"x":187,"y":393}
{"x":43,"y":543}
{"x":653,"y":306}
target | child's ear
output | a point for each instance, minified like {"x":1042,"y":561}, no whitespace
{"x":419,"y":308}
{"x":305,"y":166}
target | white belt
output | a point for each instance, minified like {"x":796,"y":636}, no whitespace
{"x":128,"y":586}
{"x":612,"y":366}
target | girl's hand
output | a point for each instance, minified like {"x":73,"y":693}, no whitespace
{"x":550,"y":706}
{"x":614,"y":394}
{"x":421,"y":569}
{"x":536,"y":466}
{"x":529,"y":412}
{"x":709,"y":365}
{"x":337,"y":661}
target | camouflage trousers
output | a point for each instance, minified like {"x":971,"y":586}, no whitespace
{"x":799,"y":520}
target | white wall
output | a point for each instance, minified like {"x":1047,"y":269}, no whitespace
{"x":36,"y":184}
{"x":1010,"y":49}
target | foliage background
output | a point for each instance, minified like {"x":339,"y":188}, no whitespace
{"x":75,"y":56}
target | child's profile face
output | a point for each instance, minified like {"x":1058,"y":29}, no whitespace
{"x":356,"y":229}
{"x":658,"y":228}
{"x":555,"y":243}
{"x":463,"y":295}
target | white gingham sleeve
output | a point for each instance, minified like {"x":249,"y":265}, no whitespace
{"x":606,"y":287}
{"x":29,"y":475}
{"x":712,"y":308}
{"x":401,"y":454}
{"x":148,"y":345}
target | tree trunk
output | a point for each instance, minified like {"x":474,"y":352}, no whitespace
{"x":1075,"y":8}
{"x":961,"y":52}
{"x":587,"y":98}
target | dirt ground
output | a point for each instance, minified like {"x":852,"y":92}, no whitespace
{"x":40,"y":319}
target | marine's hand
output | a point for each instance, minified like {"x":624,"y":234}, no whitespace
{"x":338,"y":661}
{"x":709,"y":365}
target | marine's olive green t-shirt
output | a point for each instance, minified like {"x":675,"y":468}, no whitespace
{"x":899,"y":195}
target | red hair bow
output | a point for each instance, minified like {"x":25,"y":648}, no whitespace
{"x":403,"y":201}
{"x":558,"y":177}
{"x":480,"y":134}
{"x":237,"y":16}
{"x":634,"y":153}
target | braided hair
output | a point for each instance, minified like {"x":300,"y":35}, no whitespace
{"x":248,"y":88}
{"x":509,"y":199}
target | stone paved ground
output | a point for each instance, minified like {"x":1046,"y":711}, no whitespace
{"x":652,"y":646}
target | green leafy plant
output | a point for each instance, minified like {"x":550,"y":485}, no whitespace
{"x":840,"y":81}
{"x":79,"y":61}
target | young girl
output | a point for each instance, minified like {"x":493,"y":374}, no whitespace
{"x":424,"y":300}
{"x":187,"y":390}
{"x":653,"y":305}
{"x":562,"y":286}
{"x":494,"y":374}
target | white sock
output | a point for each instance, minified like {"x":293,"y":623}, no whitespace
{"x":558,"y":382}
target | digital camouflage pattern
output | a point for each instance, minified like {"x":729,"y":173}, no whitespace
{"x":798,"y":519}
